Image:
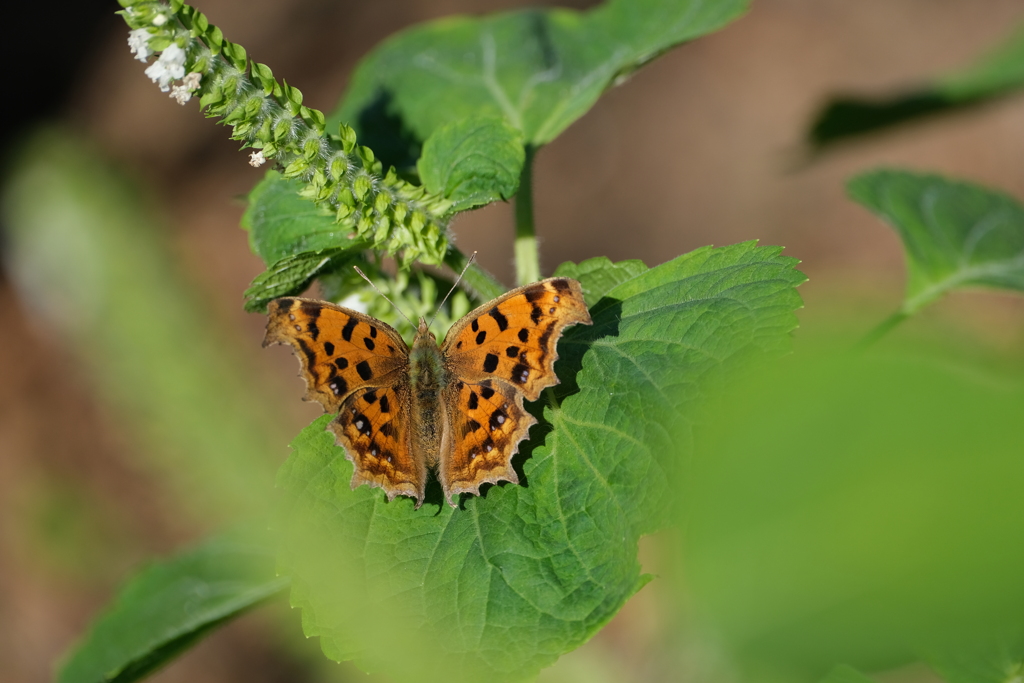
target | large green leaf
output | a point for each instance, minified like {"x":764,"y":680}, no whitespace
{"x":955,"y":234}
{"x":994,"y":75}
{"x":171,"y":604}
{"x":503,"y":585}
{"x":538,"y":69}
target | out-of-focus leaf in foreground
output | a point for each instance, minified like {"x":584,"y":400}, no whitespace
{"x":169,"y":605}
{"x":94,"y":272}
{"x":502,"y":586}
{"x":540,"y":70}
{"x":858,"y":509}
{"x":996,"y":74}
{"x":955,"y":234}
{"x":846,"y":674}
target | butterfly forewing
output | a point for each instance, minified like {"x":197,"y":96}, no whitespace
{"x":512,"y":339}
{"x":340,"y":350}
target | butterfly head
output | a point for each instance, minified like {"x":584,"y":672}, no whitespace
{"x":423,"y":331}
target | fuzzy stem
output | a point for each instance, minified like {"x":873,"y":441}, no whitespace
{"x":527,"y":255}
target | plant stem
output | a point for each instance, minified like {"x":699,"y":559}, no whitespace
{"x":881,"y":330}
{"x":476,"y":278}
{"x":527,"y":256}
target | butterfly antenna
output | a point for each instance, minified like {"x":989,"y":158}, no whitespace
{"x":370,"y":282}
{"x":469,"y":262}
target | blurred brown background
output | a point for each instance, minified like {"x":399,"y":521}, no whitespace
{"x":701,"y":147}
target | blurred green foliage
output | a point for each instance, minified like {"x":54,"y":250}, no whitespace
{"x":858,"y":509}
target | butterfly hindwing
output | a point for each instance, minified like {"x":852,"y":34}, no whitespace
{"x":487,"y":422}
{"x":373,"y":427}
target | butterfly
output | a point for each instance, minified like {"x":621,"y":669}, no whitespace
{"x":456,"y":408}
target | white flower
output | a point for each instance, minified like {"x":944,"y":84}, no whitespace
{"x":159,"y":20}
{"x":170,"y":67}
{"x":138,"y":41}
{"x":192,"y":81}
{"x":181,"y":94}
{"x":256,"y":159}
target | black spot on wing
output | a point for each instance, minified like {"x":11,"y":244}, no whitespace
{"x":346,"y":332}
{"x":307,"y":352}
{"x":470,"y":427}
{"x":520,"y":373}
{"x":338,"y":385}
{"x":313,"y":311}
{"x":481,"y":337}
{"x":388,"y":430}
{"x":342,"y":362}
{"x":475,"y":326}
{"x":362,"y":424}
{"x":370,"y":396}
{"x":490,"y":363}
{"x":545,"y":336}
{"x":486,"y":392}
{"x":498,"y":318}
{"x":535,"y":314}
{"x":561,"y":285}
{"x":524,"y":335}
{"x":512,"y":351}
{"x":285,"y":303}
{"x":369,"y":343}
{"x":474,"y":400}
{"x":385,"y":405}
{"x":373,"y":331}
{"x":498,"y":418}
{"x":329,"y":348}
{"x":534,"y":294}
{"x":363,"y":368}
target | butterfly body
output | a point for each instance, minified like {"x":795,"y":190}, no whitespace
{"x":456,"y":408}
{"x":428,"y":378}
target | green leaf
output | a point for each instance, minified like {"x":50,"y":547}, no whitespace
{"x":955,"y":234}
{"x":540,"y":70}
{"x":171,"y":604}
{"x":599,"y":275}
{"x":281,"y":223}
{"x":995,"y":75}
{"x":857,"y":508}
{"x":846,"y":674}
{"x":473,"y":162}
{"x":290,"y":275}
{"x":502,"y":586}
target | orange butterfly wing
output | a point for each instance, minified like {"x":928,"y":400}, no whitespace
{"x":498,"y":354}
{"x":358,"y":367}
